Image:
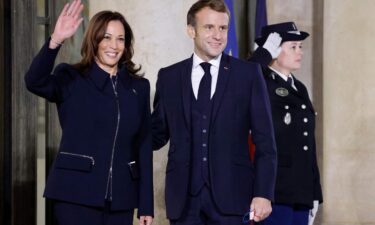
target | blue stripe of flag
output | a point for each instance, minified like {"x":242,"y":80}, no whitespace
{"x":232,"y":46}
{"x":260,"y":16}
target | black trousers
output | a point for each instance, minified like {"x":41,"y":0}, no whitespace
{"x":75,"y":214}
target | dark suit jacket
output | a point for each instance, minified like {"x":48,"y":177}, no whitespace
{"x":88,"y":114}
{"x":240,"y":104}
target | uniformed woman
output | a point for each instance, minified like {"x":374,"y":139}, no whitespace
{"x":298,"y":190}
{"x":103,"y":169}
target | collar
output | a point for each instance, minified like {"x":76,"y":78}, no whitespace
{"x":285,"y":77}
{"x":214,"y":62}
{"x":101,"y":77}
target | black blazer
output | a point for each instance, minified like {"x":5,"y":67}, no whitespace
{"x":240,"y":105}
{"x":88,"y":112}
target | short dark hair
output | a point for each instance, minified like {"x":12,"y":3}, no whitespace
{"x":216,"y":5}
{"x":95,"y":34}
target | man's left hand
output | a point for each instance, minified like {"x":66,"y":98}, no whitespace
{"x":262,"y":208}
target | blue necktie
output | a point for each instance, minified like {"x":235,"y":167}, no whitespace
{"x":204,"y":91}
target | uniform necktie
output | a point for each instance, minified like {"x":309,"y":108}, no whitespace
{"x":290,"y":81}
{"x":204,"y":91}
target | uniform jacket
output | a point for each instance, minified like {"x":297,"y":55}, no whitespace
{"x":98,"y":130}
{"x":298,"y":179}
{"x":240,"y":104}
{"x":261,"y":56}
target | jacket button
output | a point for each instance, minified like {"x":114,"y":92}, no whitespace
{"x":204,"y":131}
{"x":303,"y":106}
{"x":286,"y":106}
{"x":305,"y":120}
{"x":305,"y":148}
{"x":305,"y":133}
{"x":204,"y":159}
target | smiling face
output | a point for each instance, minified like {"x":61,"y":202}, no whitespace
{"x":290,"y":57}
{"x":111,"y":47}
{"x":210,"y":33}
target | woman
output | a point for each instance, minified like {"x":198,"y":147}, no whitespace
{"x":298,"y":188}
{"x":103,"y":169}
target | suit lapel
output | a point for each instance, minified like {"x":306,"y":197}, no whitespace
{"x":125,"y":78}
{"x":186,"y":90}
{"x":222,"y":81}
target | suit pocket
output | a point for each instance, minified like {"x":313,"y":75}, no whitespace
{"x":73,"y":161}
{"x":134,"y":170}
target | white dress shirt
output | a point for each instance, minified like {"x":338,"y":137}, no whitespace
{"x":285,"y":77}
{"x":197,"y":73}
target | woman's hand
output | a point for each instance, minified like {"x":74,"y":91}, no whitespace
{"x":67,"y":24}
{"x":145,"y":220}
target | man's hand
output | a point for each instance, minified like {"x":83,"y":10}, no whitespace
{"x":145,"y":220}
{"x":262,"y":208}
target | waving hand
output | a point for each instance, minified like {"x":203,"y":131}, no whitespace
{"x":67,"y":24}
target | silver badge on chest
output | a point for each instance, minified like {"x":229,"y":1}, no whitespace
{"x":283,"y":92}
{"x":287,"y":118}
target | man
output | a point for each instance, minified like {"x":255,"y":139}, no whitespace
{"x":206,"y":105}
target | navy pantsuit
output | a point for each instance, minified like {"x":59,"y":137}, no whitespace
{"x":102,"y":131}
{"x":75,"y":214}
{"x":240,"y":104}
